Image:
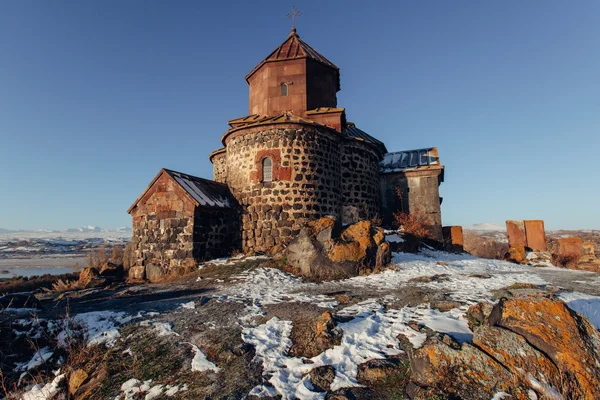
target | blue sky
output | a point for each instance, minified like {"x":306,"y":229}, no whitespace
{"x":96,"y":97}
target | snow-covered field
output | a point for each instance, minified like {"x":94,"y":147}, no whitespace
{"x":370,"y":326}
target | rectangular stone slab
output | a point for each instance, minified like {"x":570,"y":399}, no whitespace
{"x":536,"y":236}
{"x":516,"y":233}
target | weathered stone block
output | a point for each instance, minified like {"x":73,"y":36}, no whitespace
{"x":516,"y":233}
{"x":536,"y":236}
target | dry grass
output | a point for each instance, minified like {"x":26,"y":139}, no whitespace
{"x":483,"y":247}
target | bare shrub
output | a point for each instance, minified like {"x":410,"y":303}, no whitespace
{"x":98,"y":257}
{"x":117,"y":254}
{"x":412,"y":224}
{"x":483,"y":247}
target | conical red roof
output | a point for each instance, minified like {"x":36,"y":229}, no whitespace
{"x":293,"y":48}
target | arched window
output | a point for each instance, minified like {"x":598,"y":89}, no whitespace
{"x":284,"y":89}
{"x":267,"y":167}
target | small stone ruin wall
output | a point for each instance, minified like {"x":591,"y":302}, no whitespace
{"x":305,"y":186}
{"x":360,"y":182}
{"x":219,"y":167}
{"x":420,"y":195}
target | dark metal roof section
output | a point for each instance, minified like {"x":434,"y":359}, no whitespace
{"x":292,"y":48}
{"x":410,"y":160}
{"x":351,"y":131}
{"x":206,"y":192}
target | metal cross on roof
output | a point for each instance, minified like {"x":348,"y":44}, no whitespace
{"x":293,"y":14}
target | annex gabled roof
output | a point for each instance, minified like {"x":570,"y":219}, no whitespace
{"x":203,"y":192}
{"x":293,"y":48}
{"x":410,"y":160}
{"x":351,"y":131}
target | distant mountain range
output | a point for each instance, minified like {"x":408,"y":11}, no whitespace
{"x":486,"y":226}
{"x":83,"y":229}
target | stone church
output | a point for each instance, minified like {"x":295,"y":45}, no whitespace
{"x":293,"y":159}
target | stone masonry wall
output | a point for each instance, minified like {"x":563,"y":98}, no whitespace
{"x":360,"y":182}
{"x":163,"y":224}
{"x":220,"y":167}
{"x":305,"y":186}
{"x":216,"y":232}
{"x":420,"y":195}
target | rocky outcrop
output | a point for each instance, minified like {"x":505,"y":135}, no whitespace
{"x":573,"y":253}
{"x":323,"y":250}
{"x":522,"y":345}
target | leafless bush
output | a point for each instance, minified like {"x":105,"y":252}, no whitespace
{"x":117,"y":254}
{"x":98,"y":257}
{"x":483,"y":247}
{"x":412,"y":224}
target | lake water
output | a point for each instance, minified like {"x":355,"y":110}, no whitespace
{"x":34,"y":271}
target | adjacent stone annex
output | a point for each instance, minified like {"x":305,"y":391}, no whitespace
{"x":293,"y":159}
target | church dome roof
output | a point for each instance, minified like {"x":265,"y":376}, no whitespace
{"x":294,"y":48}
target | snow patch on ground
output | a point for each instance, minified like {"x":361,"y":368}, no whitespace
{"x":39,"y":358}
{"x":200,"y":362}
{"x":101,"y":327}
{"x":585,"y":304}
{"x":133,"y":388}
{"x":44,"y":392}
{"x":189,"y":305}
{"x":370,"y":334}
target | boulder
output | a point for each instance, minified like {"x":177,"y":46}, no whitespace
{"x":567,"y":338}
{"x":154,"y":273}
{"x":374,"y":372}
{"x":110,"y":270}
{"x":524,"y":345}
{"x":137,"y":273}
{"x":516,"y":254}
{"x":467,"y":373}
{"x":322,"y":252}
{"x":567,"y":252}
{"x":384,"y":255}
{"x":322,"y":377}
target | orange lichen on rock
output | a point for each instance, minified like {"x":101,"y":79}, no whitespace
{"x":526,"y":344}
{"x":570,"y":341}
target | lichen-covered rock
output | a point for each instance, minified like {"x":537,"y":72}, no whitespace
{"x":531,"y":344}
{"x":375,"y":372}
{"x":521,"y":359}
{"x":567,"y":338}
{"x":516,"y":254}
{"x":466,"y":373}
{"x":478,"y":314}
{"x":322,"y":377}
{"x":318,"y":252}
